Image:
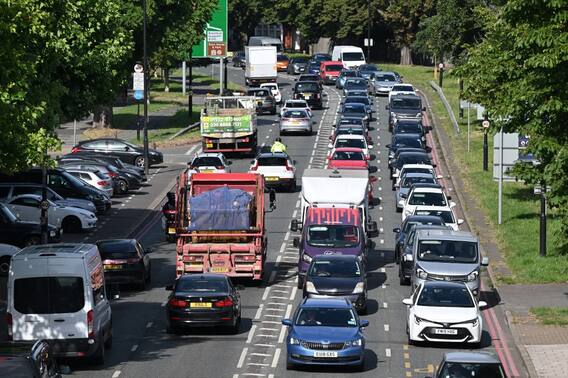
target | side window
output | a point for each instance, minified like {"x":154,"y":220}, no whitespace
{"x":29,"y":202}
{"x":58,"y":182}
{"x":26,"y":190}
{"x":140,"y":250}
{"x":116,"y":146}
{"x":97,"y":144}
{"x":411,"y":239}
{"x":85,"y":176}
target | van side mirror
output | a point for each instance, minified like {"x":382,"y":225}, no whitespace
{"x":482,"y":304}
{"x":295,"y":225}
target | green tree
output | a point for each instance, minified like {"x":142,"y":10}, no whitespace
{"x":244,"y":16}
{"x":518,"y":72}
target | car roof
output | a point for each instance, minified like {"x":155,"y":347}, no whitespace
{"x":446,"y":234}
{"x":472,"y":357}
{"x":418,"y":174}
{"x":326,"y":303}
{"x":335,"y":257}
{"x":354,"y":105}
{"x":97,"y":139}
{"x":419,"y":218}
{"x":203,"y":276}
{"x":272,"y":154}
{"x":307,"y":81}
{"x":423,"y":166}
{"x":116,"y":241}
{"x":406,"y":96}
{"x":209,"y":154}
{"x":427,"y":188}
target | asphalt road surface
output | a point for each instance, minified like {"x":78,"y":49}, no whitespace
{"x":142,"y":348}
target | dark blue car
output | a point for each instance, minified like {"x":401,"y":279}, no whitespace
{"x":325,"y":332}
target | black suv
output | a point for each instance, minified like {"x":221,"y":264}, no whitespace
{"x":27,"y":360}
{"x":404,"y":106}
{"x":127,"y":152}
{"x":309,"y":91}
{"x":19,"y":233}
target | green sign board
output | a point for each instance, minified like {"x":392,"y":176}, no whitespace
{"x":215,"y":35}
{"x":226,"y":124}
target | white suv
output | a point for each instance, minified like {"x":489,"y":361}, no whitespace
{"x":277,"y":168}
{"x":213,"y":162}
{"x":274,"y":90}
{"x":424,"y":195}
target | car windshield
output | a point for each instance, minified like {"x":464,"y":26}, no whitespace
{"x":405,"y":103}
{"x":350,"y":131}
{"x":454,"y":251}
{"x":356,"y":83}
{"x":295,"y":114}
{"x":407,"y":142}
{"x":271,"y":161}
{"x":350,"y":143}
{"x":439,"y":296}
{"x":384,"y":77}
{"x":337,"y":236}
{"x":348,"y":73}
{"x":446,"y":215}
{"x":350,"y":109}
{"x":314,"y":65}
{"x":296,"y":104}
{"x":408,"y":128}
{"x":214,"y":285}
{"x":259,"y":93}
{"x":412,"y":159}
{"x":411,"y":224}
{"x":206,"y":161}
{"x":307,"y":87}
{"x":369,"y":67}
{"x":357,"y":100}
{"x":416,"y":170}
{"x":407,"y":181}
{"x":326,"y":317}
{"x":334,"y":67}
{"x":471,"y":370}
{"x":348,"y":155}
{"x":352,"y":56}
{"x":427,"y":199}
{"x":402,"y":88}
{"x":351,"y":121}
{"x":335,"y":268}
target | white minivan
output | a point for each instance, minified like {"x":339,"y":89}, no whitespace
{"x":351,"y":56}
{"x":56,"y":292}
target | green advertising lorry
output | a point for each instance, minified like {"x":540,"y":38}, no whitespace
{"x":228,"y":124}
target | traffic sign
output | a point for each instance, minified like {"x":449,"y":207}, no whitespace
{"x":366,"y":42}
{"x":216,"y":49}
{"x":44,"y":205}
{"x":138,"y":81}
{"x":216,"y":31}
{"x":485,"y":124}
{"x":138,"y":95}
{"x":138,"y":68}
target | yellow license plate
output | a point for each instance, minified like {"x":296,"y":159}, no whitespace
{"x":217,"y":269}
{"x":307,"y":95}
{"x":206,"y":171}
{"x":171,"y":230}
{"x":271,"y":178}
{"x":113,"y":267}
{"x":200,"y":305}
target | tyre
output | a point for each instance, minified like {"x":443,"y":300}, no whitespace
{"x":4,"y":266}
{"x":401,"y":279}
{"x":149,"y":277}
{"x":363,"y":310}
{"x":139,"y":161}
{"x":123,"y":186}
{"x":172,"y":330}
{"x":71,"y":224}
{"x":235,"y":328}
{"x":32,"y":240}
{"x":290,"y":366}
{"x":99,"y":356}
{"x":108,"y":342}
{"x":361,"y":367}
{"x":142,"y":284}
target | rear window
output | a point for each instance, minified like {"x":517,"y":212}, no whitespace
{"x":272,"y":161}
{"x":49,"y":295}
{"x":334,"y":67}
{"x":350,"y":143}
{"x":203,"y":285}
{"x":385,"y":77}
{"x":282,"y":58}
{"x":295,"y":114}
{"x":116,"y":250}
{"x":348,"y":155}
{"x":208,"y":161}
{"x":311,"y":87}
{"x":100,"y":175}
{"x":259,"y":93}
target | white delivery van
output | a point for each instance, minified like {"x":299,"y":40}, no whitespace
{"x":343,"y":188}
{"x":351,"y":56}
{"x":56,"y":292}
{"x":260,"y":65}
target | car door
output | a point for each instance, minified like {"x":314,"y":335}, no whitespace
{"x":126,"y":153}
{"x":26,"y":208}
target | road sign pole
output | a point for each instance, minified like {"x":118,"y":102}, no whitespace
{"x":542,"y":251}
{"x":225,"y":74}
{"x":500,"y":200}
{"x":138,"y":122}
{"x":183,"y":69}
{"x":221,"y":81}
{"x":145,"y":48}
{"x":190,"y":90}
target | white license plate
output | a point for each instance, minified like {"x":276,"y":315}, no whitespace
{"x":445,"y":331}
{"x":325,"y":354}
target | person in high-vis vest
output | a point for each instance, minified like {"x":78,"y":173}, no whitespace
{"x":278,"y":146}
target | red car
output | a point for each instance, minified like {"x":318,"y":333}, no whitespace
{"x":347,"y":158}
{"x":330,"y":70}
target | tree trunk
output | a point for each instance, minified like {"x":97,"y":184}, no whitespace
{"x":166,"y":76}
{"x":405,"y":56}
{"x":102,"y":116}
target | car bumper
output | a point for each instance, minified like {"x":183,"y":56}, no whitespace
{"x":281,"y":182}
{"x":426,"y":331}
{"x":299,"y":355}
{"x":118,"y":277}
{"x":156,"y":159}
{"x":200,"y":318}
{"x":358,"y":300}
{"x":289,"y":128}
{"x":330,"y":80}
{"x":73,"y":347}
{"x":382,"y":90}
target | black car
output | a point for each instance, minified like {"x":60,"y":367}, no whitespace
{"x":341,"y":276}
{"x":64,"y":184}
{"x":239,"y":59}
{"x":320,"y":57}
{"x":402,"y":231}
{"x":297,"y":66}
{"x":404,"y":106}
{"x":127,"y":152}
{"x":23,"y":359}
{"x":345,"y":120}
{"x":22,"y":234}
{"x":410,"y":126}
{"x":203,"y":300}
{"x":309,"y":91}
{"x":311,"y":77}
{"x":355,"y":110}
{"x":265,"y":102}
{"x":356,"y":86}
{"x":409,"y":157}
{"x":114,"y":160}
{"x":404,"y":141}
{"x":125,"y":262}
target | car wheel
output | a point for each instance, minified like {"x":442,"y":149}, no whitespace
{"x":108,"y":342}
{"x":399,"y":209}
{"x":363,"y":310}
{"x":172,"y":330}
{"x":235,"y":328}
{"x":292,"y":188}
{"x":139,"y":161}
{"x":401,"y":279}
{"x":142,"y":284}
{"x":71,"y":224}
{"x":99,"y":356}
{"x":290,"y":366}
{"x":122,"y":186}
{"x":5,"y":266}
{"x":361,"y":367}
{"x":32,"y":240}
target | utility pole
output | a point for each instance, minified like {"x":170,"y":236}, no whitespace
{"x":369,"y":31}
{"x":190,"y":91}
{"x":542,"y":248}
{"x":225,"y":74}
{"x":146,"y":157}
{"x":44,"y":203}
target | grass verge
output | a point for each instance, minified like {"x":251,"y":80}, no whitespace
{"x":518,"y":235}
{"x":557,"y":316}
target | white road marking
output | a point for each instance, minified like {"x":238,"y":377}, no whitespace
{"x":116,"y":374}
{"x":282,"y":334}
{"x":293,"y":295}
{"x":266,"y":291}
{"x":288,"y":311}
{"x":242,"y":358}
{"x":134,"y":347}
{"x":275,"y":358}
{"x":388,"y":352}
{"x":188,"y":152}
{"x":251,"y":333}
{"x":387,"y":327}
{"x":258,"y":312}
{"x":385,"y":305}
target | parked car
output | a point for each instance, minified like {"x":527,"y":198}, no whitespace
{"x":343,"y":76}
{"x":296,"y":104}
{"x":402,"y":232}
{"x":70,"y":219}
{"x":347,"y":158}
{"x":125,"y":261}
{"x":203,"y":300}
{"x":297,"y":66}
{"x":368,"y":71}
{"x":406,"y":183}
{"x":123,"y":182}
{"x":93,"y":177}
{"x":277,"y":168}
{"x":282,"y":63}
{"x":330,"y":70}
{"x":265,"y":102}
{"x":126,"y":151}
{"x":238,"y":59}
{"x":310,"y":91}
{"x":470,"y":364}
{"x":274,"y":90}
{"x":383,"y":82}
{"x":27,"y":359}
{"x":113,"y":160}
{"x":210,"y":162}
{"x":22,"y":234}
{"x":325,"y":332}
{"x":296,"y":120}
{"x":337,"y":276}
{"x":10,"y":190}
{"x":444,"y":312}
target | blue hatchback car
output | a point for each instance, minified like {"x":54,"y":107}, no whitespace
{"x":325,"y":332}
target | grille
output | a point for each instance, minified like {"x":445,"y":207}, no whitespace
{"x":440,"y":277}
{"x":321,"y":346}
{"x":462,"y":333}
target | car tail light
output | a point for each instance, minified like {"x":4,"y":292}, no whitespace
{"x":9,"y":325}
{"x":102,"y":183}
{"x":177,"y":303}
{"x":91,"y":324}
{"x":113,"y":174}
{"x":289,"y":167}
{"x":76,"y":149}
{"x":254,"y":167}
{"x":227,"y":302}
{"x":219,"y":167}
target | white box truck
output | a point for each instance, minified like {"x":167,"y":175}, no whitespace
{"x":351,"y":56}
{"x":260,"y":65}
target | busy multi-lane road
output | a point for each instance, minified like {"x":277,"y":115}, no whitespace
{"x":142,"y":348}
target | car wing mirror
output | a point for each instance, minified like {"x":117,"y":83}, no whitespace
{"x":452,"y":204}
{"x":287,"y":322}
{"x":484,"y":261}
{"x":364,"y":323}
{"x":396,"y":230}
{"x":407,"y":301}
{"x":460,"y":222}
{"x":482,"y":304}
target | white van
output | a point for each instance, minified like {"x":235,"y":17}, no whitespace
{"x":351,"y":56}
{"x":56,"y":292}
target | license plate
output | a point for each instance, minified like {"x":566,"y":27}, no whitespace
{"x":445,"y":331}
{"x":171,"y":230}
{"x":209,"y":145}
{"x":200,"y":305}
{"x":113,"y":267}
{"x":271,"y":178}
{"x":306,"y":96}
{"x":218,"y":269}
{"x":325,"y":354}
{"x":206,"y":171}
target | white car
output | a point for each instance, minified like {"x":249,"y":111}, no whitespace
{"x":95,"y":178}
{"x":424,"y":195}
{"x":352,"y":141}
{"x":210,"y":162}
{"x":295,"y":105}
{"x":401,"y":89}
{"x":274,"y":90}
{"x":277,"y":168}
{"x":413,"y":168}
{"x":446,"y":213}
{"x":70,"y":219}
{"x":440,"y":311}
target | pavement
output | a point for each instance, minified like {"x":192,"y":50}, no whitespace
{"x":544,"y":348}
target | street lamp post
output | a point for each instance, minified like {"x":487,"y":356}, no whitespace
{"x":369,"y":30}
{"x":146,"y":157}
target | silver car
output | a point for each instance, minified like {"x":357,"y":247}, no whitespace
{"x":296,"y":120}
{"x":383,"y":83}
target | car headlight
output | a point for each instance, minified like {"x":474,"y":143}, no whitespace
{"x":52,"y":233}
{"x":359,"y":288}
{"x":472,"y":276}
{"x":393,"y":115}
{"x":307,"y":258}
{"x":474,"y":322}
{"x":419,"y":115}
{"x":421,"y":274}
{"x":294,"y":341}
{"x":354,"y":343}
{"x":310,"y":288}
{"x":418,"y":319}
{"x":407,"y":212}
